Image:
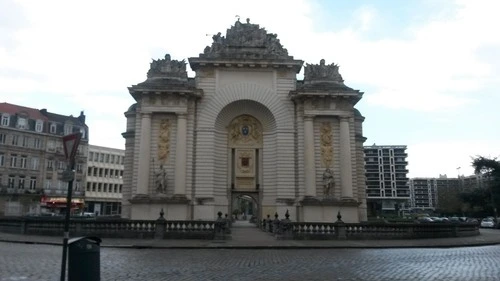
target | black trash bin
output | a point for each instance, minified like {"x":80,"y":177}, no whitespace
{"x":84,"y":262}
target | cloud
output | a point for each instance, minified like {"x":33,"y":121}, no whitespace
{"x":432,"y":158}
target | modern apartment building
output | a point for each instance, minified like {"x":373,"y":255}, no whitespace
{"x":32,"y":160}
{"x":103,"y":194}
{"x":386,"y":172}
{"x":442,"y":192}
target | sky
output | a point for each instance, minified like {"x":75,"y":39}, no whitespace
{"x":429,"y":69}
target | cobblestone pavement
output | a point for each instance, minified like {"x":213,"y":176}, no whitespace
{"x":28,"y":262}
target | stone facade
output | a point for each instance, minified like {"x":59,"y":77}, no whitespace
{"x":32,"y":160}
{"x":244,"y":126}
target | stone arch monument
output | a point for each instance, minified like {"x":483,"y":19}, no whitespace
{"x":244,"y":126}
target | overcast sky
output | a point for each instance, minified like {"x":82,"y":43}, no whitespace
{"x":429,"y":69}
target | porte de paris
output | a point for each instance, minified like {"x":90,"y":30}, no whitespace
{"x":244,"y":128}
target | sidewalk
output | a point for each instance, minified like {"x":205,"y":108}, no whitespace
{"x":244,"y":237}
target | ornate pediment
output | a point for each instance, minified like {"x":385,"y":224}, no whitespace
{"x":167,"y":68}
{"x":322,"y":73}
{"x":246,"y":40}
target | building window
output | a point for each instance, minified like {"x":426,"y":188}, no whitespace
{"x":26,"y":141}
{"x":77,"y":185}
{"x":61,"y":165}
{"x":99,"y":186}
{"x":35,"y":162}
{"x":82,"y":131}
{"x":37,"y":143}
{"x":5,"y":119}
{"x":88,"y":186}
{"x":68,"y":129}
{"x":10,"y":183}
{"x":112,"y":160}
{"x":2,"y":159}
{"x":48,"y":184}
{"x":78,"y":167}
{"x":96,"y":157}
{"x":21,"y":182}
{"x":24,"y":161}
{"x":53,"y":128}
{"x":32,"y":183}
{"x":107,"y":158}
{"x":21,"y":123}
{"x":15,"y":139}
{"x":39,"y":126}
{"x":94,"y":186}
{"x":91,"y":155}
{"x":101,"y":157}
{"x":13,"y":160}
{"x":3,"y":138}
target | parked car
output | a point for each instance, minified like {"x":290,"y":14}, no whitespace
{"x":487,"y":222}
{"x":425,"y":219}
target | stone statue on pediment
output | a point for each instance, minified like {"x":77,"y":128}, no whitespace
{"x":167,"y":68}
{"x":247,"y":40}
{"x":322,"y":72}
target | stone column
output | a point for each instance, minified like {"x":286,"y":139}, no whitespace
{"x":144,"y":154}
{"x":345,"y":159}
{"x":180,"y":155}
{"x":310,"y":172}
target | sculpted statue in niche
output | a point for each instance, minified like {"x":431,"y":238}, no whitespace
{"x":161,"y":180}
{"x":164,"y":140}
{"x":328,"y":182}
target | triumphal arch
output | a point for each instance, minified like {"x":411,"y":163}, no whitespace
{"x":244,"y":127}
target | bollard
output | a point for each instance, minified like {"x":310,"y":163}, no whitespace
{"x":228,"y":225}
{"x":286,"y":231}
{"x":161,"y":226}
{"x":219,"y":227}
{"x":340,"y":229}
{"x":269,"y":224}
{"x":276,"y":223}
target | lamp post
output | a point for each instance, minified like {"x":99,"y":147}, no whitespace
{"x":70,"y":143}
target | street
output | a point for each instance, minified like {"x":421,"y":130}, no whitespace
{"x":30,"y":262}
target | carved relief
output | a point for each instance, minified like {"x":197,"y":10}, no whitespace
{"x":326,"y":144}
{"x":164,"y":141}
{"x":245,"y":162}
{"x":245,"y":130}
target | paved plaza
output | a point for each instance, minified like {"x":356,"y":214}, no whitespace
{"x":256,"y":255}
{"x":33,"y":262}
